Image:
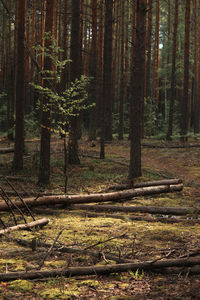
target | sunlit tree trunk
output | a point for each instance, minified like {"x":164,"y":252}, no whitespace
{"x":44,"y":170}
{"x":74,"y":73}
{"x":115,"y":47}
{"x":173,"y":74}
{"x":107,"y":73}
{"x":185,"y":117}
{"x":64,"y":77}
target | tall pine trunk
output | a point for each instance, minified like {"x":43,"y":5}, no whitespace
{"x":19,"y":92}
{"x":196,"y":69}
{"x":93,"y":73}
{"x":44,"y":170}
{"x":122,"y":82}
{"x":107,"y":72}
{"x":137,"y":92}
{"x":173,"y":74}
{"x":185,"y":117}
{"x":156,"y":60}
{"x":74,"y":74}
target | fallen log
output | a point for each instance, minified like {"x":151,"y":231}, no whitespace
{"x":177,"y":211}
{"x":145,"y":184}
{"x":120,"y":196}
{"x":101,"y":270}
{"x":6,"y":150}
{"x":140,"y":218}
{"x":40,"y":222}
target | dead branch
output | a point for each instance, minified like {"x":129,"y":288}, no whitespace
{"x":100,"y":270}
{"x":103,"y":242}
{"x":49,"y":250}
{"x":120,"y":196}
{"x":177,"y":211}
{"x":40,"y":222}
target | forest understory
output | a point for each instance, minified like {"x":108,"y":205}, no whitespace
{"x":77,"y":237}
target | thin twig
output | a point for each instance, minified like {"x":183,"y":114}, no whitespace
{"x":102,"y":242}
{"x":49,"y":250}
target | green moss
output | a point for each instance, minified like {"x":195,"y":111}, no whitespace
{"x":90,"y":282}
{"x":59,"y":293}
{"x":21,"y":285}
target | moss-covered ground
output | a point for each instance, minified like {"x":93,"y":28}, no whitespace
{"x":136,"y":240}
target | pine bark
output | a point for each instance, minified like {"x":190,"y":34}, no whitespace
{"x":44,"y":169}
{"x":122,"y":83}
{"x":20,"y":96}
{"x":107,"y":69}
{"x":75,"y":71}
{"x":93,"y":73}
{"x":148,"y":49}
{"x":156,"y":60}
{"x":173,"y":73}
{"x":137,"y":92}
{"x":196,"y":68}
{"x":185,"y":116}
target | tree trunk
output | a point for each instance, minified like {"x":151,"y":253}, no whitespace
{"x":9,"y":86}
{"x":122,"y":82}
{"x":44,"y":170}
{"x":20,"y":97}
{"x":75,"y":73}
{"x":185,"y":116}
{"x":107,"y":70}
{"x":196,"y":69}
{"x":173,"y":74}
{"x":156,"y":60}
{"x":93,"y":74}
{"x":137,"y":92}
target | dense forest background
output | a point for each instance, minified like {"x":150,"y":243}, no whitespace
{"x":140,"y":61}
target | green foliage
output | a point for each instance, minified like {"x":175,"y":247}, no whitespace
{"x":149,"y":117}
{"x":136,"y":275}
{"x":61,"y":105}
{"x":3,"y":111}
{"x":31,"y":124}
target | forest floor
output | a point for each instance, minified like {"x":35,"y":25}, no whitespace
{"x":133,"y":240}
